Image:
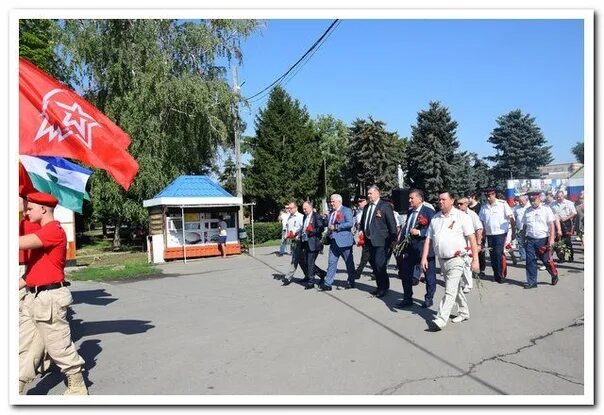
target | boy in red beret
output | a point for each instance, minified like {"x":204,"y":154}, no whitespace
{"x":43,"y":324}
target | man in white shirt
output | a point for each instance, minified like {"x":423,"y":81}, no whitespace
{"x":283,"y":217}
{"x":450,"y":233}
{"x":497,"y":216}
{"x":566,"y":211}
{"x":293,"y":229}
{"x":519,"y":209}
{"x":462,"y":204}
{"x":538,"y":226}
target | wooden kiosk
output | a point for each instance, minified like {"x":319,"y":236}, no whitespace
{"x":183,"y":220}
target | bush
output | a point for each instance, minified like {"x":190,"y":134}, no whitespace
{"x":263,"y":231}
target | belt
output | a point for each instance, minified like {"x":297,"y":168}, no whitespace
{"x":448,"y":259}
{"x":37,"y":288}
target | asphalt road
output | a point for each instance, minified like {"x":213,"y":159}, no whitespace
{"x":227,"y":327}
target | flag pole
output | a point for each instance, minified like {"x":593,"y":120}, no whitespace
{"x":184,"y":241}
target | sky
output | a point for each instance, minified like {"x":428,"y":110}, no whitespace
{"x":391,"y":69}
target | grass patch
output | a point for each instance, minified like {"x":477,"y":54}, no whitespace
{"x":272,"y":242}
{"x":114,"y":267}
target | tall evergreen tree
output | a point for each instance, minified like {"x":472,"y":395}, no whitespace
{"x":285,"y":156}
{"x":160,"y":81}
{"x":431,"y":155}
{"x":471,"y":174}
{"x":577,"y":151}
{"x":228,"y":176}
{"x":373,"y":156}
{"x":521,"y":148}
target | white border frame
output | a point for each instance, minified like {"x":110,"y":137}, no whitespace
{"x":587,"y":15}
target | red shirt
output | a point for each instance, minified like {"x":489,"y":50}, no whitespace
{"x":46,"y":265}
{"x":26,"y":227}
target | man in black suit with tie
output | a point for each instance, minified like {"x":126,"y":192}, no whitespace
{"x":379,"y":226}
{"x":310,"y":236}
{"x":416,"y":229}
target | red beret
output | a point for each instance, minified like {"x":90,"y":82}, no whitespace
{"x":41,"y":198}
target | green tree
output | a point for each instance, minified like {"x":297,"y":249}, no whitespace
{"x":161,"y":81}
{"x":333,"y":147}
{"x":286,"y":159}
{"x":373,"y":156}
{"x":521,"y":148}
{"x":38,"y":39}
{"x":471,"y":174}
{"x":432,"y":161}
{"x":228,"y":176}
{"x":577,"y":150}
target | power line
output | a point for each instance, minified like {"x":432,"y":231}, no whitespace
{"x":291,"y":68}
{"x":283,"y":80}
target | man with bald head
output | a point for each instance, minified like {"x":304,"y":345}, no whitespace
{"x":310,"y":238}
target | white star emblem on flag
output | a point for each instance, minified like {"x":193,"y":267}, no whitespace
{"x":75,"y":122}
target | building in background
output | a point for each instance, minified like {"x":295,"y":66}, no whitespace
{"x":183,"y":220}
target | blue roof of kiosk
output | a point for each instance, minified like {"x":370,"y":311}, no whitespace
{"x":193,"y":186}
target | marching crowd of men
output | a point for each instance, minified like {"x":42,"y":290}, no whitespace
{"x":458,"y":235}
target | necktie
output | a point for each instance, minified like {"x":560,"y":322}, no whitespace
{"x":369,"y":217}
{"x":411,"y":221}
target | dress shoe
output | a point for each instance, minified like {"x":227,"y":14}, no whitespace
{"x":309,"y":286}
{"x":466,"y":290}
{"x":459,"y":319}
{"x":415,"y":281}
{"x":427,"y":304}
{"x":404,"y":304}
{"x":305,"y":279}
{"x":374,"y":292}
{"x":381,"y":294}
{"x":349,"y":285}
{"x":529,"y":286}
{"x":286,"y":282}
{"x":324,"y":287}
{"x":435,"y":325}
{"x":555,"y":280}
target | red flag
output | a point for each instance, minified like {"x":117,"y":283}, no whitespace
{"x":55,"y":121}
{"x":25,"y":185}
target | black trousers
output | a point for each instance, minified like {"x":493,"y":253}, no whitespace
{"x":567,"y":231}
{"x":365,"y":256}
{"x":378,"y":263}
{"x":307,"y":263}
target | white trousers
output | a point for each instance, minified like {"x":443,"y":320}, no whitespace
{"x":453,"y":272}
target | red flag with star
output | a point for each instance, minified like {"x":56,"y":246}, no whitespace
{"x":55,"y":121}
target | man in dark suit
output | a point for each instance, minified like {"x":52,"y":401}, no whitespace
{"x":379,"y":226}
{"x":416,"y":229}
{"x":310,"y":236}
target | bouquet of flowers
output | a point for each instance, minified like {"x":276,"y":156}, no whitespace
{"x":466,"y":254}
{"x":291,"y":235}
{"x":309,"y":228}
{"x":562,"y":251}
{"x":402,"y":246}
{"x":361,"y":240}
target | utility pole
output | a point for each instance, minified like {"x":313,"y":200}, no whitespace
{"x":237,"y":155}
